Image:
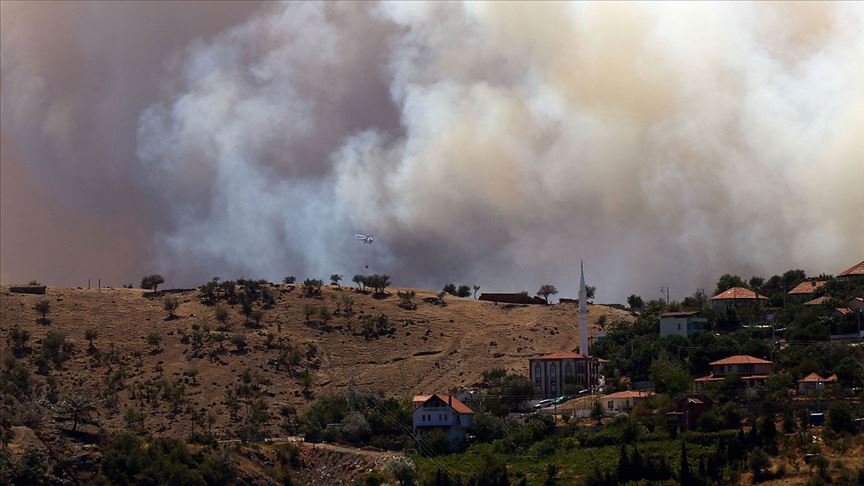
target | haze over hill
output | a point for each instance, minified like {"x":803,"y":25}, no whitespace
{"x":481,"y":143}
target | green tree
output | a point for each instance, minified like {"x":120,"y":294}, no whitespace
{"x":546,"y":290}
{"x":669,"y":376}
{"x":43,"y":307}
{"x":635,"y":302}
{"x":221,"y":314}
{"x":335,"y":278}
{"x":402,"y":469}
{"x":450,"y":288}
{"x":154,"y":339}
{"x":77,"y":409}
{"x":256,"y":316}
{"x":684,"y":477}
{"x":90,"y":335}
{"x":840,"y":417}
{"x":463,"y":291}
{"x":170,"y":304}
{"x":759,"y":464}
{"x":360,"y":280}
{"x":728,"y":281}
{"x":152,"y":282}
{"x":18,"y":339}
{"x":590,"y":292}
{"x":289,"y":279}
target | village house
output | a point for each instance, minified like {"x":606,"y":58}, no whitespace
{"x":442,"y":412}
{"x":684,"y":324}
{"x":736,"y":297}
{"x":855,"y":272}
{"x":805,"y":290}
{"x":750,"y":369}
{"x":623,"y":401}
{"x":688,"y":410}
{"x":815,"y":382}
{"x":550,"y":373}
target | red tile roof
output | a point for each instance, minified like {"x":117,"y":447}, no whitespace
{"x":709,"y":377}
{"x":857,"y":269}
{"x":738,"y":293}
{"x":806,"y":287}
{"x":816,"y":378}
{"x":844,"y":311}
{"x":457,"y":405}
{"x":817,"y":300}
{"x":563,"y":355}
{"x":630,"y":394}
{"x":740,"y":359}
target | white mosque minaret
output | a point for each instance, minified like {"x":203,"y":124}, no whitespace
{"x":583,"y":313}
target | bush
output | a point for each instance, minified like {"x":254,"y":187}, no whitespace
{"x":43,"y":307}
{"x":435,"y":442}
{"x":450,"y":288}
{"x":355,"y":428}
{"x":840,"y":417}
{"x":463,"y":291}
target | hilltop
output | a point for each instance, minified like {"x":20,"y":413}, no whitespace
{"x":432,"y":348}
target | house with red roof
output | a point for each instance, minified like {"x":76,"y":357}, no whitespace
{"x":688,"y":410}
{"x":442,"y":412}
{"x":855,"y":272}
{"x":623,"y":401}
{"x":805,"y":290}
{"x":815,"y":382}
{"x":737,"y":297}
{"x":551,"y":372}
{"x":749,"y":368}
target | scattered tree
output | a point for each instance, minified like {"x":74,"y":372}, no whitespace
{"x":77,"y":409}
{"x":590,"y":292}
{"x":154,"y":339}
{"x":170,"y":304}
{"x":90,"y":335}
{"x":546,"y":290}
{"x":450,"y":288}
{"x":18,"y":339}
{"x":407,"y":299}
{"x":152,"y":282}
{"x":335,"y":278}
{"x":289,"y":279}
{"x":463,"y":291}
{"x":635,"y":301}
{"x":476,"y":289}
{"x":256,"y":316}
{"x":360,"y":280}
{"x":312,"y":287}
{"x":239,"y":341}
{"x":43,"y":307}
{"x":221,"y":314}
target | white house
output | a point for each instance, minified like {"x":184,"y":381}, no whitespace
{"x":444,"y":412}
{"x":624,"y":400}
{"x":684,"y":324}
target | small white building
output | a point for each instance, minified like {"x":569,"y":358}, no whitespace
{"x":623,"y":401}
{"x":684,"y":324}
{"x":444,"y":412}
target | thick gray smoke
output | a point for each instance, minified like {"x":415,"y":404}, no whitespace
{"x":495,"y":143}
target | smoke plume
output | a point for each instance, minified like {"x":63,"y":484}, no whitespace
{"x":489,"y":143}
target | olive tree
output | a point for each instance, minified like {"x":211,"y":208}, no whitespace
{"x":546,"y":290}
{"x":152,"y":282}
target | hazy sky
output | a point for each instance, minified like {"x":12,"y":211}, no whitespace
{"x":495,"y":144}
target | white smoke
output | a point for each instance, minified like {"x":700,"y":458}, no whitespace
{"x":500,"y":143}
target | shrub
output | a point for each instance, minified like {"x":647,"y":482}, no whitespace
{"x":221,"y":314}
{"x":154,"y":339}
{"x":239,"y":341}
{"x":840,"y":417}
{"x":402,"y":469}
{"x":407,"y":299}
{"x":289,"y":279}
{"x":450,"y":288}
{"x":355,"y":428}
{"x":312,"y":287}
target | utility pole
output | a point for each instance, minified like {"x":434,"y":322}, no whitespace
{"x":665,"y":290}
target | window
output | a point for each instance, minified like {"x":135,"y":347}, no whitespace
{"x":538,"y":372}
{"x":610,"y":405}
{"x":568,"y":370}
{"x":679,"y":326}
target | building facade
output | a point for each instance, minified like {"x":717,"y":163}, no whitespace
{"x":552,"y":372}
{"x":442,"y":412}
{"x":752,"y":370}
{"x":684,"y":324}
{"x":623,"y":401}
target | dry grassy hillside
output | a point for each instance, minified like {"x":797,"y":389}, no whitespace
{"x":433,"y":347}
